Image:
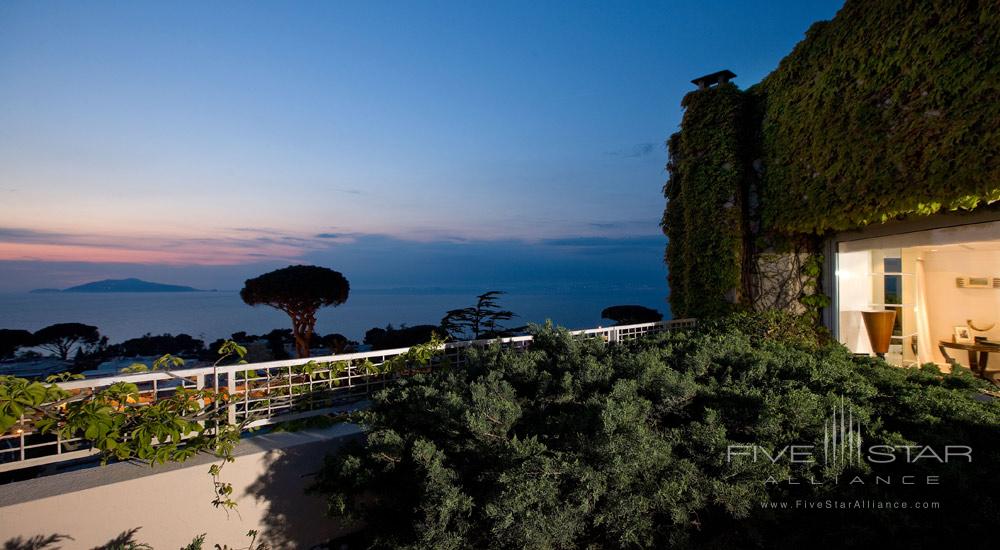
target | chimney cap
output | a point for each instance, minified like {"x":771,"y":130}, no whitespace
{"x":709,"y":80}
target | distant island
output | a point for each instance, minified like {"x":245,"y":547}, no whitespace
{"x":120,"y":285}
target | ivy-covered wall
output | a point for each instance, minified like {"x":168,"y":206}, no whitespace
{"x":703,"y":220}
{"x":890,"y":110}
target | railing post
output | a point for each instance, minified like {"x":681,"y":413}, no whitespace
{"x":20,"y":439}
{"x":231,"y":391}
{"x":199,"y":384}
{"x":291,"y":398}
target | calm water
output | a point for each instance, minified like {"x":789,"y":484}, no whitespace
{"x":211,"y":315}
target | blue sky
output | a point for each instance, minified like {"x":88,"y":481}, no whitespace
{"x":206,"y":141}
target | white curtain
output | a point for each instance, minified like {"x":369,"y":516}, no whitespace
{"x":925,"y":347}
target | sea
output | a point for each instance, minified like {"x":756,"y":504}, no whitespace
{"x":218,"y":314}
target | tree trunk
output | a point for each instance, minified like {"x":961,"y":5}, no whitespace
{"x":301,"y":340}
{"x":301,"y":346}
{"x":302,"y":330}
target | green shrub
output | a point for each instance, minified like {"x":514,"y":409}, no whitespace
{"x":774,"y":325}
{"x":581,"y":444}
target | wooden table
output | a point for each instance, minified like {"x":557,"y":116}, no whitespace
{"x":979,"y":354}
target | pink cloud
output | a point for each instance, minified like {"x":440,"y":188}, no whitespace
{"x":31,"y":245}
{"x":189,"y":255}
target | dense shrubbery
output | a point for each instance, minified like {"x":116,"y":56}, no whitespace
{"x":403,"y":337}
{"x":777,"y":326}
{"x":148,"y":345}
{"x":578,"y":444}
{"x":12,"y":340}
{"x":631,"y":314}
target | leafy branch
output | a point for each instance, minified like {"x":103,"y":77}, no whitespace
{"x":121,"y":424}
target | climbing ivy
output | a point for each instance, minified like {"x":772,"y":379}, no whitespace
{"x":812,"y":298}
{"x":702,"y":220}
{"x":889,"y":109}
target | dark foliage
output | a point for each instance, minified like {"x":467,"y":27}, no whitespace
{"x":276,"y":341}
{"x":37,"y":542}
{"x":776,"y":326}
{"x":630,"y":315}
{"x":299,"y":291}
{"x":336,"y":343}
{"x":62,"y":338}
{"x":483,"y":320}
{"x":402,"y":337}
{"x":580,"y":444}
{"x":124,"y":540}
{"x":148,"y":345}
{"x":12,"y":340}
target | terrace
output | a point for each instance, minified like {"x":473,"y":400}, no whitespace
{"x":833,"y":226}
{"x":271,"y":468}
{"x":266,"y":394}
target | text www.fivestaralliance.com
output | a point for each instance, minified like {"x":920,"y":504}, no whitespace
{"x":851,"y":505}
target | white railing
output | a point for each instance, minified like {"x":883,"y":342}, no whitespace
{"x":272,"y":392}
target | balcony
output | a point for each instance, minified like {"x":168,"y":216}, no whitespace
{"x":264,"y":394}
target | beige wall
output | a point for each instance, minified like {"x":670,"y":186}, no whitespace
{"x":173,"y":505}
{"x":949,"y":306}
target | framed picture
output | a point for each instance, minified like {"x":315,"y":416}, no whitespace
{"x":963,"y":335}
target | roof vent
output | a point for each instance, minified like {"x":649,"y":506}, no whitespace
{"x":714,"y":79}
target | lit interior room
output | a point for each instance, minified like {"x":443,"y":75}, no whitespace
{"x":923,"y":297}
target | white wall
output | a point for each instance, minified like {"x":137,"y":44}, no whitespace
{"x":855,"y":295}
{"x":949,"y":306}
{"x":172,"y":504}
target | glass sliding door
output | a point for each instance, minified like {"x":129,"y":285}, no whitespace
{"x":934,"y":277}
{"x":879,"y":279}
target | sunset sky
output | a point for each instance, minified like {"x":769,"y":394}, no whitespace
{"x":201,"y":143}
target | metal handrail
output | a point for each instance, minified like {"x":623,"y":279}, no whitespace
{"x":293,"y":395}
